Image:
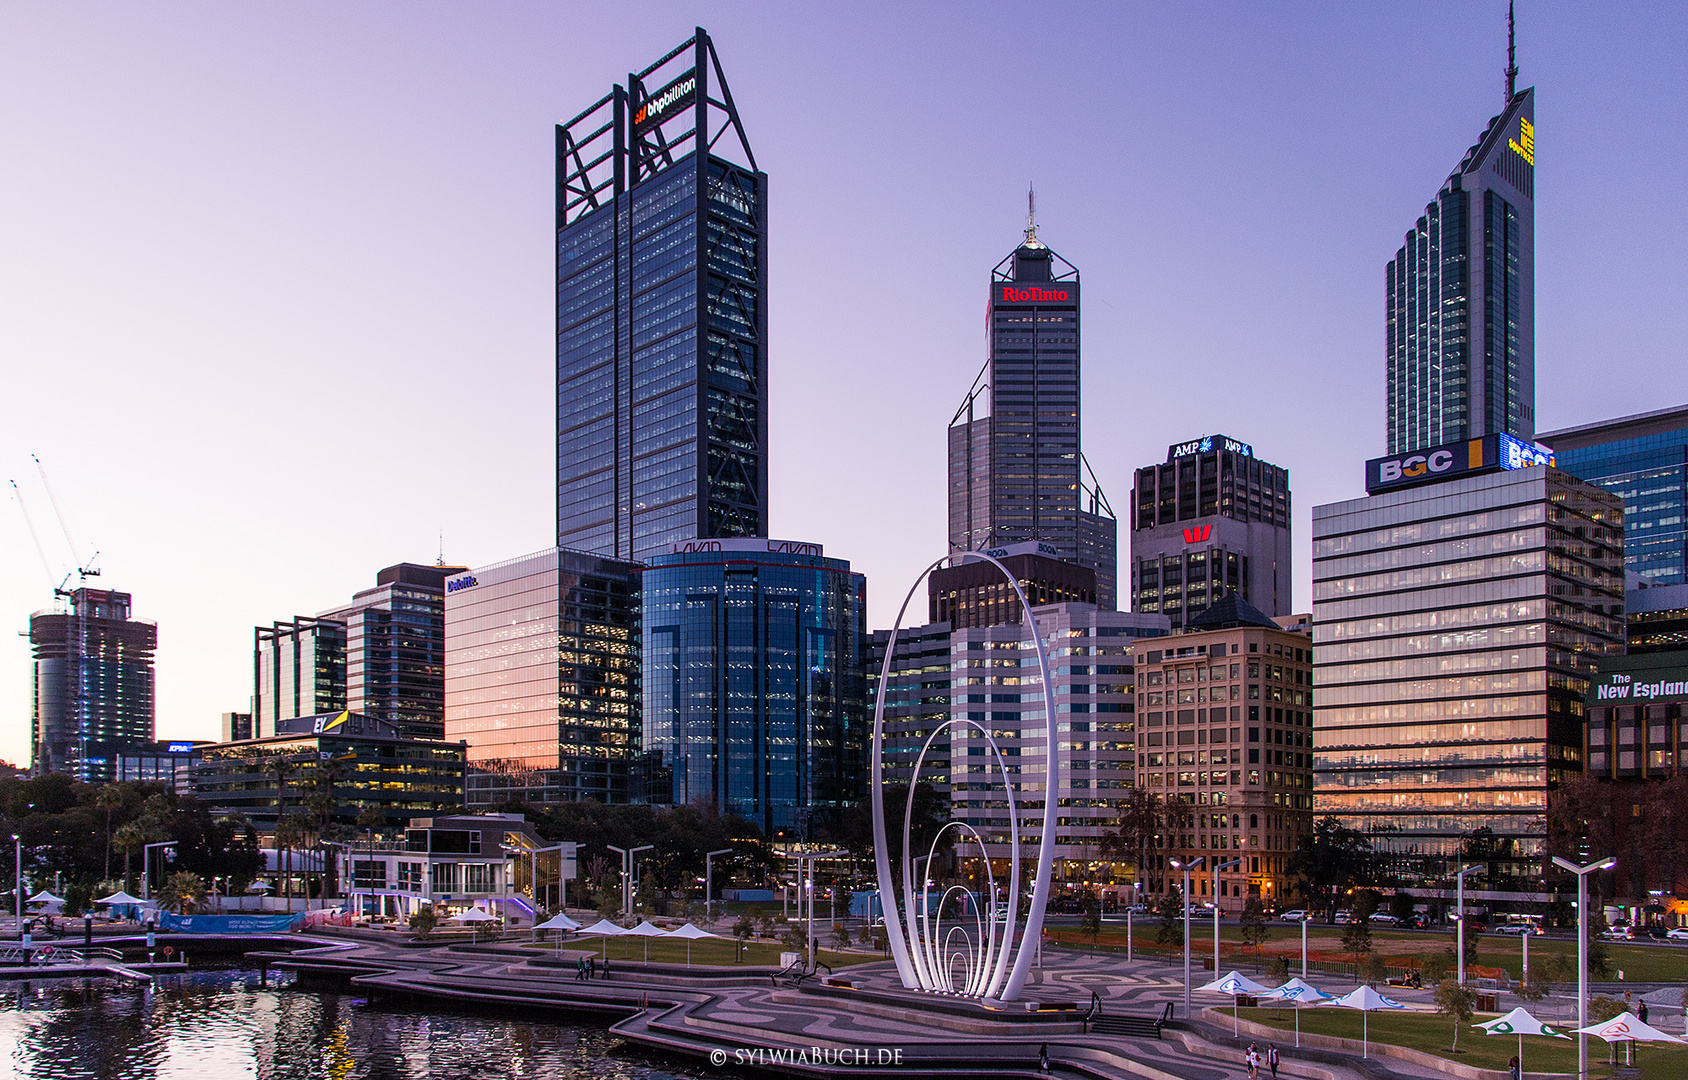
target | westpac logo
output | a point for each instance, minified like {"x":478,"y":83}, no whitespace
{"x":1011,"y":295}
{"x":1415,"y":465}
{"x":461,"y":583}
{"x":1198,"y":535}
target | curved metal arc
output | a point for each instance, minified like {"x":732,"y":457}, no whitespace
{"x":906,"y":968}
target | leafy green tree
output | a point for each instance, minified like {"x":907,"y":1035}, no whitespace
{"x":423,"y":921}
{"x":1433,"y":967}
{"x":1457,"y":1003}
{"x":109,"y":800}
{"x":1329,"y":860}
{"x":1356,"y":936}
{"x":1140,"y":813}
{"x":930,"y":814}
{"x":1254,"y":930}
{"x":1401,"y":905}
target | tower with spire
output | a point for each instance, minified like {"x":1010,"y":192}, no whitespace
{"x":1017,"y":473}
{"x":1460,"y":293}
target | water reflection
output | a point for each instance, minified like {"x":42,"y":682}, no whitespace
{"x":223,"y":1024}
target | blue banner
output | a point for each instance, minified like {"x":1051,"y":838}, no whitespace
{"x":228,"y":924}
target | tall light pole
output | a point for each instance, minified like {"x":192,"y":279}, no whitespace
{"x":17,"y":864}
{"x":146,"y":867}
{"x":627,"y":874}
{"x":1459,"y":913}
{"x":809,"y":883}
{"x":1304,"y":918}
{"x":1216,"y":869}
{"x":1187,"y":867}
{"x":1582,"y":873}
{"x":709,"y":881}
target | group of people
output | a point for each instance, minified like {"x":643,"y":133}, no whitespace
{"x":1253,"y":1059}
{"x":586,"y":968}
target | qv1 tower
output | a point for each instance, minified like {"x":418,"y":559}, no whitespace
{"x":662,"y":317}
{"x":1016,"y":471}
{"x":1461,"y":295}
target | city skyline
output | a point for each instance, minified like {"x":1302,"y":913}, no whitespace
{"x":322,"y":235}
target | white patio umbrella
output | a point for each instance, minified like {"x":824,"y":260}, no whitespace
{"x":1368,"y":1001}
{"x":1234,"y":983}
{"x":45,"y":897}
{"x":558,"y":921}
{"x":1300,"y":993}
{"x":1629,"y":1028}
{"x":605,"y":929}
{"x":647,"y":930}
{"x":1519,"y":1022}
{"x":120,"y":897}
{"x":691,"y":934}
{"x":473,"y":917}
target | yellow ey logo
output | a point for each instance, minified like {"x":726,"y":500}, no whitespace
{"x":1525,"y":144}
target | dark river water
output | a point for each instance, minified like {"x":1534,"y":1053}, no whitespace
{"x":218,"y":1024}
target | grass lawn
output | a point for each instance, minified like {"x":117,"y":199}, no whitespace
{"x":704,"y":951}
{"x":1639,"y":963}
{"x":1433,"y":1034}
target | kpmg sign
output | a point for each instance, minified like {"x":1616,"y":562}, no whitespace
{"x":1207,"y":444}
{"x":1468,"y":457}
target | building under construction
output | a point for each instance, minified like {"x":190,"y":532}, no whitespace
{"x":94,"y":684}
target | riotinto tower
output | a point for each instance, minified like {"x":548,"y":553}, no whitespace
{"x":1016,"y":472}
{"x":662,"y":320}
{"x":1461,"y":295}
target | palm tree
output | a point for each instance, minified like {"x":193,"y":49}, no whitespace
{"x":181,"y":889}
{"x":289,"y":831}
{"x":131,"y":838}
{"x":109,"y":798}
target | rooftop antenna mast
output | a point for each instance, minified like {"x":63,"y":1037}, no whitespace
{"x":1031,"y":218}
{"x":1511,"y":54}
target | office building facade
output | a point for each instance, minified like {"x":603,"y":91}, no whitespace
{"x":1644,"y":459}
{"x":917,"y":702}
{"x":1460,"y":297}
{"x":1225,"y":740}
{"x":542,"y":677}
{"x":1016,"y":468}
{"x":1212,"y":518}
{"x":995,"y":685}
{"x":365,"y":764}
{"x":975,"y":593}
{"x":754,"y":698}
{"x":1658,"y":617}
{"x":94,"y":684}
{"x":382,"y":655}
{"x":662,"y":315}
{"x":1456,"y":626}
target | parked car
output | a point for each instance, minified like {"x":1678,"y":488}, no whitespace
{"x":1297,"y":915}
{"x":1383,"y":918}
{"x":1617,"y":933}
{"x":1516,"y":929}
{"x":1138,"y":909}
{"x":1680,"y":933}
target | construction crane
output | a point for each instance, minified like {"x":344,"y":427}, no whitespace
{"x":76,"y":700}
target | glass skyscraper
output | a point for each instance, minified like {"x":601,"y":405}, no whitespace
{"x":754,"y":697}
{"x":662,"y":319}
{"x":1016,"y":473}
{"x":1643,"y":458}
{"x":94,"y":685}
{"x":1461,"y":297}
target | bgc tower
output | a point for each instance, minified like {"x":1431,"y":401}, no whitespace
{"x":662,"y":319}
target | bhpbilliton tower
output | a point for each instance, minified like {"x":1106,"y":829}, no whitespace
{"x":1016,"y":473}
{"x":662,"y":318}
{"x":1461,"y":296}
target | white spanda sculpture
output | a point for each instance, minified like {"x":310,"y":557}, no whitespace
{"x":973,"y":963}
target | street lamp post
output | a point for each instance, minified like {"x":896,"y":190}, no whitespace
{"x":1304,"y":917}
{"x":17,"y":864}
{"x":146,"y":867}
{"x":1187,"y":867}
{"x":1459,"y":909}
{"x":709,"y":883}
{"x":627,"y":874}
{"x":1582,"y":873}
{"x":1216,"y":869}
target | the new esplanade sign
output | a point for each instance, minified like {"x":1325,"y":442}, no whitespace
{"x":1468,"y":457}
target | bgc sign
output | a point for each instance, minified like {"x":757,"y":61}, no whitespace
{"x":1470,"y":457}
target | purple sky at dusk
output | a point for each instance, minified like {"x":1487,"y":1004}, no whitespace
{"x":275,"y":280}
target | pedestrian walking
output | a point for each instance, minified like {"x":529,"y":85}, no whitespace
{"x":1641,"y":1010}
{"x":1272,"y":1058}
{"x":591,"y":968}
{"x":1252,"y":1060}
{"x":1043,"y":1058}
{"x":1514,"y":1068}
